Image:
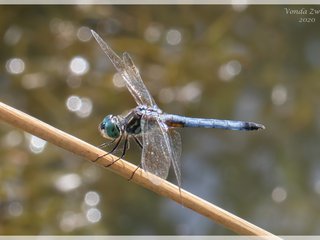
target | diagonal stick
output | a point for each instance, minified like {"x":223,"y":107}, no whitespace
{"x":123,"y":168}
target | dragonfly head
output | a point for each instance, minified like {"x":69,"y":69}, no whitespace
{"x":109,"y":127}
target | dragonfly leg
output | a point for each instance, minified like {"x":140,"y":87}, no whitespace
{"x":125,"y":147}
{"x":139,"y":166}
{"x":137,"y":141}
{"x":113,"y":149}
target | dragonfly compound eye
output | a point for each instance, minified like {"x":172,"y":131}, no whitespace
{"x":109,"y":128}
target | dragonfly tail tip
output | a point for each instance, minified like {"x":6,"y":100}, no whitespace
{"x":260,"y":126}
{"x":254,"y":126}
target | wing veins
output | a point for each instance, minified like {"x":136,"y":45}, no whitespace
{"x":129,"y":73}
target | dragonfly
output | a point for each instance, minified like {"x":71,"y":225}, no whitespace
{"x":151,"y":128}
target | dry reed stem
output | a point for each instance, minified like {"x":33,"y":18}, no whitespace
{"x":160,"y":186}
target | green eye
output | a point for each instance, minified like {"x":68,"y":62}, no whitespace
{"x":109,"y":128}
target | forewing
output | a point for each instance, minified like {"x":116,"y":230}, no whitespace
{"x":129,"y":73}
{"x":156,"y":155}
{"x":136,"y":82}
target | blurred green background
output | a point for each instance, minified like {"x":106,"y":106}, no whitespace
{"x":253,"y":63}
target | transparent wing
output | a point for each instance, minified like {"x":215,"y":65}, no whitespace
{"x":155,"y":152}
{"x":175,"y":143}
{"x":136,"y":83}
{"x":160,"y":148}
{"x":129,"y":73}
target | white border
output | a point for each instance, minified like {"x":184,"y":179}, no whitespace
{"x":157,"y":2}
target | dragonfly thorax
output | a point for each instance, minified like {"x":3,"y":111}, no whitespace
{"x":142,"y":109}
{"x":109,"y":127}
{"x":132,"y":122}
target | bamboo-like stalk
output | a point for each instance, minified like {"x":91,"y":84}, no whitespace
{"x":160,"y":186}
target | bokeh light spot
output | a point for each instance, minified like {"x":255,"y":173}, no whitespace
{"x":279,"y":95}
{"x":15,"y":66}
{"x":93,"y":215}
{"x":229,"y":70}
{"x":84,"y":34}
{"x":166,"y":95}
{"x":92,"y":198}
{"x":190,"y":92}
{"x":152,"y":33}
{"x":34,"y":80}
{"x":15,"y":209}
{"x":81,"y":106}
{"x":36,"y":145}
{"x":13,"y":138}
{"x":73,"y":103}
{"x":13,"y":35}
{"x":85,"y":108}
{"x":279,"y":194}
{"x":118,"y":81}
{"x":79,"y":66}
{"x":173,"y":37}
{"x":68,"y":182}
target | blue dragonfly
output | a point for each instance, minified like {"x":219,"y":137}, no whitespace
{"x":152,"y":129}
